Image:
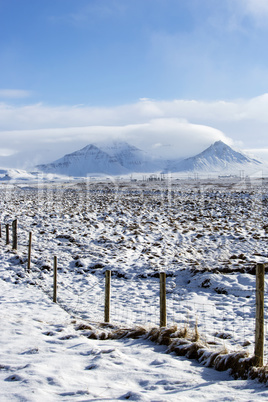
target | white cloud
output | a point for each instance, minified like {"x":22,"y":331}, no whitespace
{"x":6,"y":152}
{"x":91,"y":13}
{"x":14,"y":93}
{"x":259,"y":153}
{"x":177,"y":137}
{"x":39,"y":116}
{"x":177,"y":128}
{"x":256,"y":9}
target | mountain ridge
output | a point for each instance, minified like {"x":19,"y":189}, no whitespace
{"x":120,"y":158}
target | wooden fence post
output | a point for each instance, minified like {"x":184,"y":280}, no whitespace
{"x":55,"y":280}
{"x":29,"y":252}
{"x":14,"y":234}
{"x":163,"y":307}
{"x":7,"y":233}
{"x":259,"y":329}
{"x":107,"y":296}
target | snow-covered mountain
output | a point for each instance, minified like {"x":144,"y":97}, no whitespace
{"x":218,"y":157}
{"x":89,"y":159}
{"x":131,"y":157}
{"x":115,"y":158}
{"x":119,"y":158}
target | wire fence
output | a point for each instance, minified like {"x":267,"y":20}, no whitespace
{"x":227,"y":320}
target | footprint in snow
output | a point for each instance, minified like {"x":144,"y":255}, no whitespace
{"x":33,"y":351}
{"x":158,"y":362}
{"x":91,"y":366}
{"x":49,"y":333}
{"x":14,"y":377}
{"x":134,"y":396}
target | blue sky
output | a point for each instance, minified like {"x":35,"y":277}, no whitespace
{"x":75,"y":71}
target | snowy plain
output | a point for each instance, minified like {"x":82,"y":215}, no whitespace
{"x":206,"y":235}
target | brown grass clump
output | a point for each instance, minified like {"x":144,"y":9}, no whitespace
{"x":103,"y":336}
{"x":136,"y":333}
{"x":153,"y":334}
{"x":207,"y":357}
{"x":239,"y":363}
{"x":92,"y":335}
{"x":161,"y":335}
{"x":81,"y":327}
{"x":133,"y":333}
{"x":119,"y":333}
{"x":184,"y":347}
{"x":186,"y":343}
{"x":196,"y":335}
{"x":260,"y":373}
{"x":165,"y":335}
{"x":182,"y":332}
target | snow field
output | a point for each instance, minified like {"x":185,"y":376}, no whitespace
{"x":207,"y":236}
{"x":45,"y":358}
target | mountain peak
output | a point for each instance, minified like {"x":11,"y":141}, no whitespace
{"x":217,"y":157}
{"x":108,"y":158}
{"x":119,"y":158}
{"x":219,"y":143}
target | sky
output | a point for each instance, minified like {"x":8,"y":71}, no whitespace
{"x":169,"y":76}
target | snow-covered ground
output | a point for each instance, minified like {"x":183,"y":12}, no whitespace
{"x":206,"y":235}
{"x":43,"y":358}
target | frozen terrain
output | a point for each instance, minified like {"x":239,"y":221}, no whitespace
{"x":44,"y":358}
{"x":206,"y":235}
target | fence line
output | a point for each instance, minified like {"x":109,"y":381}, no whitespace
{"x":172,"y":307}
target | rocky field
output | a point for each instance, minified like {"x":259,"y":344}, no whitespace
{"x":207,"y":235}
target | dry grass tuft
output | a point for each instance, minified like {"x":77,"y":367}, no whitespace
{"x":260,"y":373}
{"x":184,"y":347}
{"x":136,"y":333}
{"x":165,"y":335}
{"x":196,"y":335}
{"x":119,"y":333}
{"x":207,"y":357}
{"x":182,"y":332}
{"x":186,"y":343}
{"x":153,"y":334}
{"x":238,"y":362}
{"x":81,"y":327}
{"x":133,"y":333}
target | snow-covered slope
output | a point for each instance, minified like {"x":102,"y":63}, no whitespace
{"x":113,"y":158}
{"x":18,"y":175}
{"x":15,"y":175}
{"x":217,"y":157}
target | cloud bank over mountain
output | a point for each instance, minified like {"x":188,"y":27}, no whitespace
{"x":37,"y":133}
{"x":121,"y":158}
{"x":198,"y":67}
